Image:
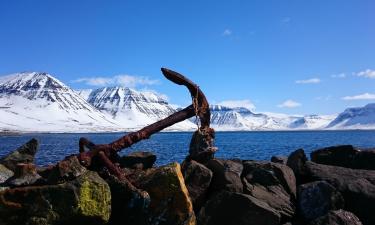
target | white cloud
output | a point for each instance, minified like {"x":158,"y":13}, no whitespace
{"x":341,"y":75}
{"x":227,"y":32}
{"x":289,"y":104}
{"x":238,"y":103}
{"x":309,"y":81}
{"x":367,"y":73}
{"x":365,"y":96}
{"x":121,"y":80}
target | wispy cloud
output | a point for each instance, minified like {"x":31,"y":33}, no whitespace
{"x":227,"y":32}
{"x":246,"y":103}
{"x":367,"y":73}
{"x":309,"y":81}
{"x":122,"y":80}
{"x":289,"y":104}
{"x":365,"y":96}
{"x":340,"y":75}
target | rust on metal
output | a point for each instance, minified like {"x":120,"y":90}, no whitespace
{"x":107,"y":153}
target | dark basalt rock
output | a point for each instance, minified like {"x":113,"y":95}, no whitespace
{"x":273,"y":184}
{"x":235,"y":208}
{"x":85,"y":200}
{"x":129,"y":205}
{"x":356,"y":186}
{"x":317,"y":199}
{"x":345,"y":156}
{"x":5,"y":173}
{"x":279,"y":159}
{"x":65,"y":170}
{"x":338,"y":217}
{"x":279,"y":174}
{"x":296,"y":161}
{"x":138,"y":160}
{"x":24,"y":154}
{"x":197,"y":180}
{"x":25,"y":174}
{"x":226,"y":175}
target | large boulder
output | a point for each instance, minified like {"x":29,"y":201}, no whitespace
{"x":5,"y":173}
{"x":317,"y":199}
{"x":86,"y":199}
{"x":24,"y":154}
{"x":226,"y":175}
{"x":356,"y":186}
{"x":296,"y":161}
{"x":139,"y":160}
{"x":129,"y":204}
{"x":235,"y":208}
{"x":279,"y":159}
{"x":65,"y":170}
{"x":170,"y":201}
{"x":271,"y":183}
{"x":197,"y":179}
{"x":278,"y":174}
{"x":345,"y":156}
{"x":25,"y":175}
{"x":338,"y":217}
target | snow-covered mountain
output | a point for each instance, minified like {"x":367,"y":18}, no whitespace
{"x":132,"y":109}
{"x":226,"y":118}
{"x":39,"y":102}
{"x":355,"y":118}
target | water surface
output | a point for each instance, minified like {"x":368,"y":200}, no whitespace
{"x":173,"y":146}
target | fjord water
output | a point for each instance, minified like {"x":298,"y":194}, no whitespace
{"x":174,"y":146}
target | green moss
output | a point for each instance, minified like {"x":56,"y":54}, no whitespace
{"x":94,"y":199}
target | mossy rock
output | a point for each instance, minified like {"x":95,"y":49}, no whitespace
{"x":170,"y":201}
{"x":84,"y":200}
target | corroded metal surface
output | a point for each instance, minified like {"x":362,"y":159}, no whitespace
{"x":107,"y":153}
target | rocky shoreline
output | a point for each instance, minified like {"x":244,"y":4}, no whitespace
{"x":336,"y":187}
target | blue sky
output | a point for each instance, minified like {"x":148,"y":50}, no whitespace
{"x":296,"y":57}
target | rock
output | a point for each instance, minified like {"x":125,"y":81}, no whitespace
{"x":338,"y":217}
{"x":345,"y":156}
{"x":170,"y":201}
{"x":5,"y":173}
{"x":25,"y":175}
{"x":278,"y":174}
{"x":85,"y":200}
{"x":317,"y":199}
{"x":24,"y":154}
{"x":273,"y":184}
{"x":139,"y":160}
{"x":129,"y":205}
{"x":279,"y":159}
{"x":356,"y":186}
{"x":296,"y":161}
{"x":235,"y":208}
{"x":201,"y":146}
{"x":65,"y":170}
{"x":197,"y":180}
{"x":226,"y":175}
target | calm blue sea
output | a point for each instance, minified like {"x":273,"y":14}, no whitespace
{"x":171,"y":147}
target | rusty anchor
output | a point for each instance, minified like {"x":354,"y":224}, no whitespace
{"x":201,"y":147}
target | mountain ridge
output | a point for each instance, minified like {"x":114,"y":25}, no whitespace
{"x":32,"y":101}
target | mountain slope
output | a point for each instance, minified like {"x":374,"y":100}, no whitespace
{"x":355,"y":118}
{"x":226,"y":118}
{"x":39,"y":102}
{"x":133,"y":109}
